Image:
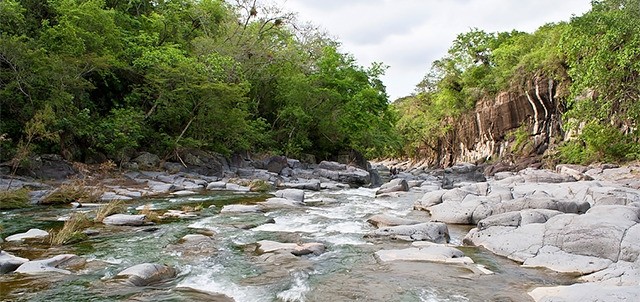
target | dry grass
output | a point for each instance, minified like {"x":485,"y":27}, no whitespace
{"x":73,"y":192}
{"x":14,"y":199}
{"x":113,"y":207}
{"x":149,"y":214}
{"x":71,"y":232}
{"x":259,"y":185}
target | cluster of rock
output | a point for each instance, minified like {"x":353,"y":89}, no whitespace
{"x":577,"y":220}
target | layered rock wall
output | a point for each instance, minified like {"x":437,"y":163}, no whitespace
{"x":484,"y":133}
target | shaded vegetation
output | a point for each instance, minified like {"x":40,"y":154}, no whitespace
{"x":594,"y":58}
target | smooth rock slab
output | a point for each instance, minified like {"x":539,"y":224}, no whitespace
{"x":429,"y":231}
{"x":268,"y":246}
{"x":395,"y":185}
{"x":384,"y":220}
{"x":553,"y":258}
{"x":586,"y":292}
{"x":147,"y":273}
{"x":9,"y":263}
{"x":241,"y":208}
{"x":55,"y":264}
{"x":30,"y":234}
{"x":124,"y":219}
{"x":291,"y":194}
{"x":427,"y":253}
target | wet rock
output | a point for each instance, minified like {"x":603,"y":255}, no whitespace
{"x":429,"y":231}
{"x":217,"y":185}
{"x":585,"y":292}
{"x":291,"y":194}
{"x":124,"y":219}
{"x":425,"y":252}
{"x":57,"y":264}
{"x":9,"y":263}
{"x":178,"y":214}
{"x":267,"y":246}
{"x":395,"y":185}
{"x":30,"y":234}
{"x":147,"y":273}
{"x":194,"y":245}
{"x":383,"y":220}
{"x":184,"y":193}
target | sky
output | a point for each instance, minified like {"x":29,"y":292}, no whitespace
{"x":408,"y":35}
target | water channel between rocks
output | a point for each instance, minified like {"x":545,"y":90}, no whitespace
{"x":347,"y":271}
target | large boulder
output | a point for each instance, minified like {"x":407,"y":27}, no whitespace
{"x":47,"y":166}
{"x":395,"y":185}
{"x":202,"y":162}
{"x":147,"y":273}
{"x":428,"y":231}
{"x":291,"y":194}
{"x":343,"y":173}
{"x":147,"y":161}
{"x":461,"y":173}
{"x":276,"y":164}
{"x":9,"y":263}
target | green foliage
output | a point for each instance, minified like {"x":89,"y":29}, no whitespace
{"x":115,"y":77}
{"x":593,"y":61}
{"x":14,"y":199}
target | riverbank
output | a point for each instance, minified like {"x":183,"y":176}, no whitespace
{"x":283,"y":232}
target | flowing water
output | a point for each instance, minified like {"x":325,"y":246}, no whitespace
{"x":347,"y":271}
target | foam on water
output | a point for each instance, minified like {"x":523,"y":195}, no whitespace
{"x":211,"y":282}
{"x":347,"y":227}
{"x":291,"y":223}
{"x":298,"y":290}
{"x":431,"y":295}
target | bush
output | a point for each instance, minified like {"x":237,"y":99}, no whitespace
{"x":14,"y":199}
{"x":259,"y":185}
{"x":599,"y":142}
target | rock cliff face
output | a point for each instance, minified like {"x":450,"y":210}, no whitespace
{"x":486,"y":132}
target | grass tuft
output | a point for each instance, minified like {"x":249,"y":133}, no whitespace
{"x":71,"y":232}
{"x":72,"y":192}
{"x":149,"y":214}
{"x":113,"y":207}
{"x":259,"y":185}
{"x":14,"y":199}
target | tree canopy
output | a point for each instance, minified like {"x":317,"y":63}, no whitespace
{"x":106,"y":78}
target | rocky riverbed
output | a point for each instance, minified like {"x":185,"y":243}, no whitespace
{"x":281,"y":230}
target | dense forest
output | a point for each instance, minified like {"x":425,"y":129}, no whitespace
{"x":595,"y":58}
{"x":101,"y":79}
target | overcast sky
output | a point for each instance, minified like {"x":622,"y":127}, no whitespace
{"x":408,"y":35}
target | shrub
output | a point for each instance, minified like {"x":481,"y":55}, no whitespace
{"x":259,"y":185}
{"x":14,"y":199}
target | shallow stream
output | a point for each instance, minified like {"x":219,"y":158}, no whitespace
{"x":347,"y":271}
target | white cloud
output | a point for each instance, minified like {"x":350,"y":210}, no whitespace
{"x":408,"y":35}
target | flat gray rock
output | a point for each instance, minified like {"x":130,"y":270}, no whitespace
{"x":124,"y":219}
{"x":57,"y":264}
{"x":586,"y":292}
{"x":291,"y":194}
{"x":428,"y":253}
{"x":30,"y":234}
{"x":384,"y":220}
